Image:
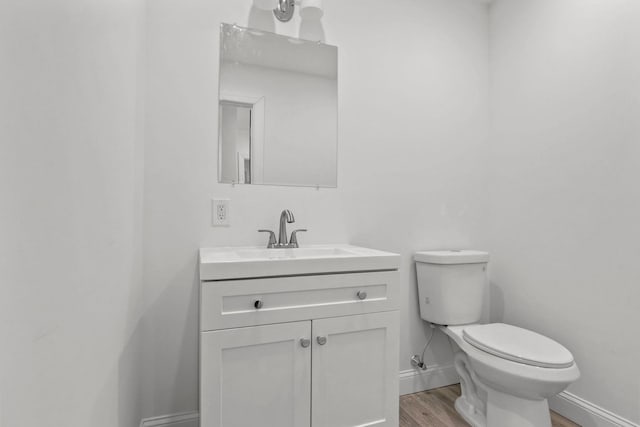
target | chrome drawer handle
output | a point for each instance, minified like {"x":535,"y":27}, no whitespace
{"x":362,"y":294}
{"x":321,"y":340}
{"x":305,"y":342}
{"x":258,"y":304}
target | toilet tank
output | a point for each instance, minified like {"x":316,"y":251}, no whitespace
{"x":451,"y":285}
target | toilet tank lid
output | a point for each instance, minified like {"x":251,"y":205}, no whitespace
{"x":452,"y":257}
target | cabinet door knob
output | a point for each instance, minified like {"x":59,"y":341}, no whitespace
{"x":258,"y":304}
{"x":321,"y":340}
{"x":362,"y":294}
{"x":305,"y":342}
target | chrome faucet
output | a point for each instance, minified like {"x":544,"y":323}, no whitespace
{"x":285,"y":217}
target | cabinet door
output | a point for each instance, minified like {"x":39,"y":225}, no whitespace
{"x":258,"y":376}
{"x":355,"y":371}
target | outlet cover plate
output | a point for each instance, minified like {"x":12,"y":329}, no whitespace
{"x":220,"y":212}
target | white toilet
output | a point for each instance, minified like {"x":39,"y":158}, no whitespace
{"x":506,"y":373}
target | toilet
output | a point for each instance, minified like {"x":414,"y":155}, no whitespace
{"x":506,"y":373}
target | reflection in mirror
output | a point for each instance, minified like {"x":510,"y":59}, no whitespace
{"x":277,"y":110}
{"x":235,"y":142}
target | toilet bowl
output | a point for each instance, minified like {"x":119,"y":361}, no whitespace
{"x":506,"y":388}
{"x":506,"y":373}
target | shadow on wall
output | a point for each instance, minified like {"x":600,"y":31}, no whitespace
{"x":124,"y":381}
{"x":129,"y":381}
{"x":261,"y":19}
{"x":171,"y":343}
{"x":496,"y":303}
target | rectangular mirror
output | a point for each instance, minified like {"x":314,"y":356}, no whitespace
{"x":278,"y":109}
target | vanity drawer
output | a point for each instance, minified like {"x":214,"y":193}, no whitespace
{"x":236,"y":303}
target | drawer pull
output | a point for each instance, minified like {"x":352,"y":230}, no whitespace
{"x":362,"y":294}
{"x":258,"y":304}
{"x":321,"y":340}
{"x":305,"y":342}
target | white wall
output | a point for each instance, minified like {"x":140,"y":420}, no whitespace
{"x":70,"y":215}
{"x":565,"y":203}
{"x":412,"y":143}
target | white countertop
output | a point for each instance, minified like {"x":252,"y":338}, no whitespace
{"x":225,"y":263}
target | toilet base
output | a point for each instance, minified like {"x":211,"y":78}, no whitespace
{"x":483,"y":406}
{"x":468,"y":412}
{"x":505,"y":410}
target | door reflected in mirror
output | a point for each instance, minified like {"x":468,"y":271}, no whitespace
{"x":235,"y":142}
{"x":278,"y":119}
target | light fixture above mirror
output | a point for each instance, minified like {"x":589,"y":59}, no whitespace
{"x":284,"y":9}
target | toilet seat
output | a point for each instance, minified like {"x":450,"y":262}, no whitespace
{"x":518,"y":345}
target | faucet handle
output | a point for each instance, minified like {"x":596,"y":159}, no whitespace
{"x":272,"y":238}
{"x":293,"y":241}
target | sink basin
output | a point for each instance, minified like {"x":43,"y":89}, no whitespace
{"x":309,"y":252}
{"x":251,"y":262}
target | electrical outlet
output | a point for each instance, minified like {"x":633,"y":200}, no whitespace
{"x":220,"y":208}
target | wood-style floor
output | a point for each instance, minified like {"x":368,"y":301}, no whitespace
{"x":434,"y":408}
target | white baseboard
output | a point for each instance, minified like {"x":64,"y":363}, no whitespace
{"x":567,"y":404}
{"x":586,"y":413}
{"x":416,"y":380}
{"x":183,"y":419}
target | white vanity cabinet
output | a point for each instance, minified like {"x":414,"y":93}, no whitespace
{"x":256,"y":376}
{"x":355,"y":373}
{"x":316,"y":350}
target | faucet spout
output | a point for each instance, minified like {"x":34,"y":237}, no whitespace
{"x":285,"y":217}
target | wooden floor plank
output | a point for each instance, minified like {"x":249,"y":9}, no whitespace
{"x":435,"y":408}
